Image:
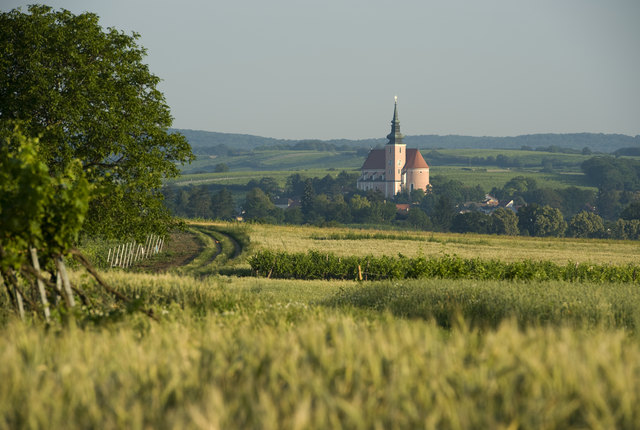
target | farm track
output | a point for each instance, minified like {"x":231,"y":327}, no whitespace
{"x":201,"y":249}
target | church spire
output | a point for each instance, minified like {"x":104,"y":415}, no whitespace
{"x":395,"y":137}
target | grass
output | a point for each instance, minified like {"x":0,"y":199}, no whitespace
{"x":489,"y":177}
{"x":230,"y":352}
{"x":232,"y":356}
{"x":506,"y":248}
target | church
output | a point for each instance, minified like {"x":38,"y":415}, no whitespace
{"x":394,"y":168}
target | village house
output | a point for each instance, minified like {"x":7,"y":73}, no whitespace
{"x":395,"y":167}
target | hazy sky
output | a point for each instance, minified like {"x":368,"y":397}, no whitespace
{"x":330,"y":69}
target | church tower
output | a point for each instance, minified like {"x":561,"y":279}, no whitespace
{"x":395,"y":157}
{"x":394,"y":168}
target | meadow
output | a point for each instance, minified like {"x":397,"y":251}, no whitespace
{"x":346,"y":241}
{"x":279,"y":164}
{"x":228,"y":351}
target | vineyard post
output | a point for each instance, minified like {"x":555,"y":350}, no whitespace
{"x":146,"y":245}
{"x":58,"y":287}
{"x":127,"y":254}
{"x":116,"y":260}
{"x":17,"y":295}
{"x":62,"y":272}
{"x":43,"y":293}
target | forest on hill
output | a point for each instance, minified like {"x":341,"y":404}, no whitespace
{"x":210,"y":143}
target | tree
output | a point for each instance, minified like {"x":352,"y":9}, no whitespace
{"x":443,"y":213}
{"x":504,"y":222}
{"x":308,"y":199}
{"x":90,"y":97}
{"x":200,"y":202}
{"x":418,"y":219}
{"x":527,"y":218}
{"x":258,"y":207}
{"x":221,"y":168}
{"x":549,"y":222}
{"x":586,"y":224}
{"x":471,"y":222}
{"x":632,"y":211}
{"x":222,"y":205}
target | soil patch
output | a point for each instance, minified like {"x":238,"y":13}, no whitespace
{"x":180,"y":249}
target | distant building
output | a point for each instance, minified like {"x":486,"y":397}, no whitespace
{"x":394,"y":168}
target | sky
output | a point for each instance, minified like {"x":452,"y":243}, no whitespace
{"x":329,"y":69}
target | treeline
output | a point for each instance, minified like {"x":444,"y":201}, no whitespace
{"x":449,"y":205}
{"x":308,"y":145}
{"x":202,"y":141}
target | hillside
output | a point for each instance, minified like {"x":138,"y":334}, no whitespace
{"x":210,"y":143}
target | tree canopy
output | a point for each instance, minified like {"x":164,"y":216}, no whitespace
{"x":87,"y":94}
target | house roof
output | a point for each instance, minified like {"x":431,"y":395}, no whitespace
{"x":375,"y":160}
{"x":414,"y":160}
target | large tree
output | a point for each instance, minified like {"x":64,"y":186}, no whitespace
{"x":88,"y":95}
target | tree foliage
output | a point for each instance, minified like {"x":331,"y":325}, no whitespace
{"x":88,"y":94}
{"x":36,"y":209}
{"x":586,"y":224}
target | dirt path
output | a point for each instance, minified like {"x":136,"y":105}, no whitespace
{"x":180,"y":249}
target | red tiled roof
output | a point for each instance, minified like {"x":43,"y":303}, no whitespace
{"x":414,"y":160}
{"x":375,"y":160}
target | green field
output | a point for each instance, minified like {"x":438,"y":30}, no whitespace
{"x":281,"y":163}
{"x":235,"y":351}
{"x":278,"y":160}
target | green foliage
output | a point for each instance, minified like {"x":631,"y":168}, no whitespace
{"x":37,"y":209}
{"x":612,"y":173}
{"x":221,"y":167}
{"x":541,"y":221}
{"x":632,"y":211}
{"x":258,"y":207}
{"x":90,"y":97}
{"x":504,"y":221}
{"x":586,"y":224}
{"x":317,"y":265}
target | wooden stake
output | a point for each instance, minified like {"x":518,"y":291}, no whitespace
{"x":15,"y":296}
{"x":41,"y":290}
{"x":62,"y":272}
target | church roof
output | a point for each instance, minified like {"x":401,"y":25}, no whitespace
{"x":375,"y":160}
{"x":395,"y":137}
{"x":415,"y":160}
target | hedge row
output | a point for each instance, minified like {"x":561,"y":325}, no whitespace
{"x":318,"y":265}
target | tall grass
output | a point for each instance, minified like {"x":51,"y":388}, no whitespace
{"x":326,"y":371}
{"x":487,"y":304}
